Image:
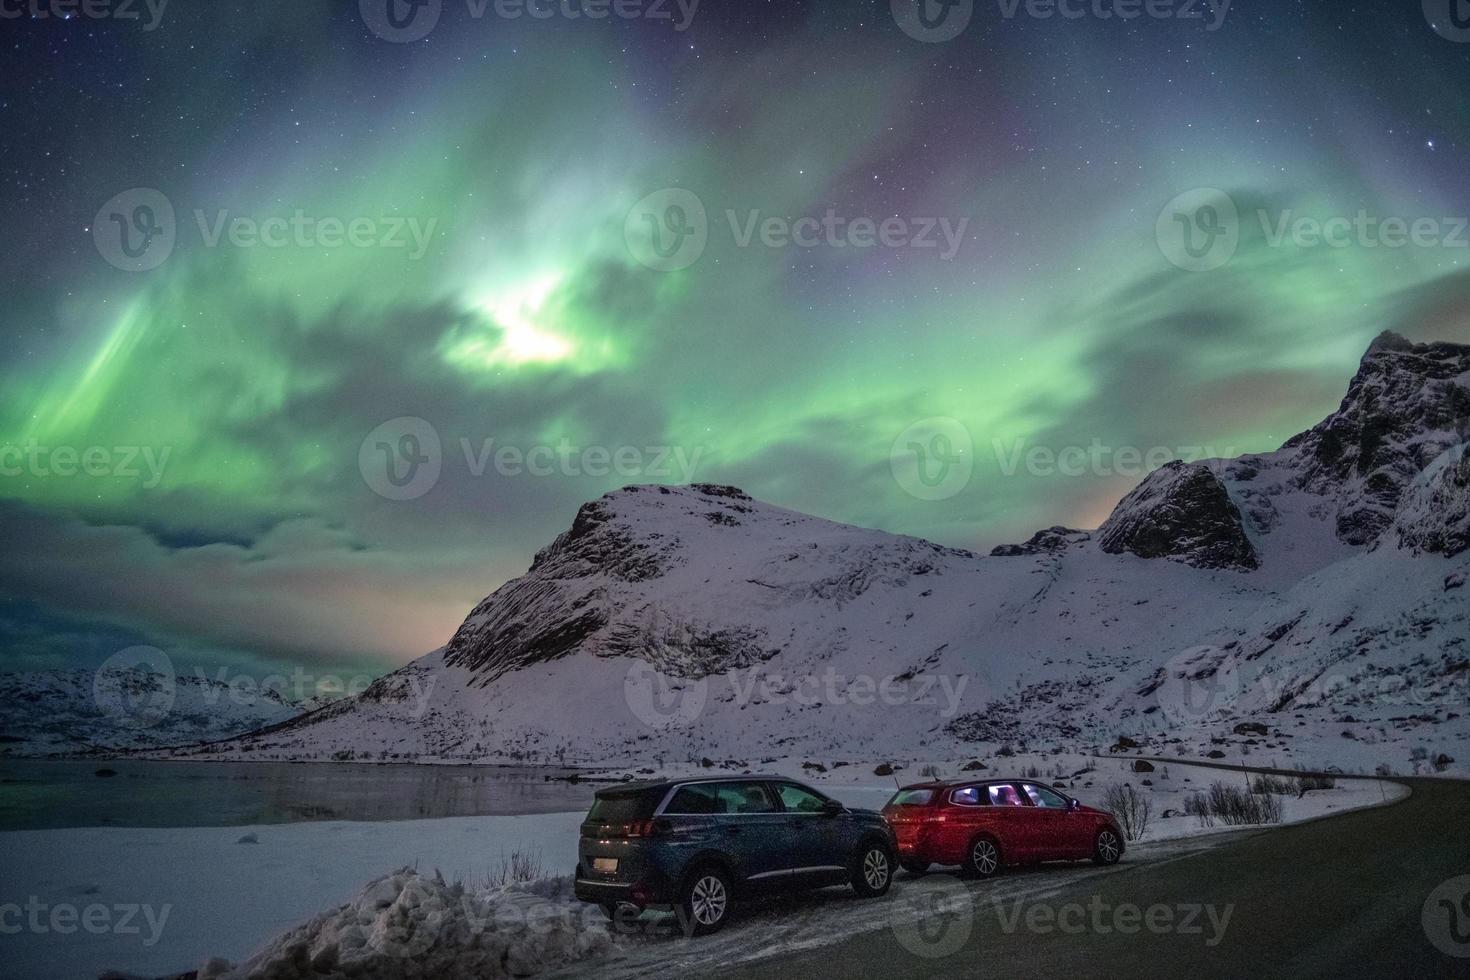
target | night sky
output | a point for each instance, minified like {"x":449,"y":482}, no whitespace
{"x":536,"y":158}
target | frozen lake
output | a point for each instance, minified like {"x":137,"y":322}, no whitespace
{"x":41,"y":795}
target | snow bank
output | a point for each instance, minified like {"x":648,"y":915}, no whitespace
{"x":409,"y":925}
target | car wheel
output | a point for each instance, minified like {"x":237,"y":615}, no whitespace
{"x":1108,"y":848}
{"x":983,"y":858}
{"x":914,"y":867}
{"x":873,"y":870}
{"x":705,"y":904}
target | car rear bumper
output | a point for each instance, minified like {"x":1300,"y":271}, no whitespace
{"x":642,"y":893}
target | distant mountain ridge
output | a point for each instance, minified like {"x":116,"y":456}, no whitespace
{"x":126,"y":708}
{"x":1301,"y":586}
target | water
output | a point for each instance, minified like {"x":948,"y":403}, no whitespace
{"x":39,"y":795}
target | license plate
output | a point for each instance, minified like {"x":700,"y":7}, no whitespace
{"x":605,"y":865}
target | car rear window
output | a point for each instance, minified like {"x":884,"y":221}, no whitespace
{"x":912,"y":797}
{"x":694,"y":800}
{"x":625,"y":807}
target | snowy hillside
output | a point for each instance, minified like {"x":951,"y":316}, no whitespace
{"x":1314,"y":593}
{"x":72,"y":711}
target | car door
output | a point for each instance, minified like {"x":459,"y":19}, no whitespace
{"x":749,"y":821}
{"x":819,"y":843}
{"x":1051,"y":828}
{"x":1007,"y":816}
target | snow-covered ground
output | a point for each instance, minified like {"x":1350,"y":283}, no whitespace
{"x":204,"y":893}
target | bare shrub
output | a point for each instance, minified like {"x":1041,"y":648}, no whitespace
{"x":517,"y":867}
{"x":1233,"y":806}
{"x":1305,"y":784}
{"x":1129,"y":807}
{"x":1274,"y":785}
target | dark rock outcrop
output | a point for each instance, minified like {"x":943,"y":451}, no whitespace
{"x":1182,"y":512}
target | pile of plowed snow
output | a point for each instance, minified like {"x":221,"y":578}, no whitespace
{"x":409,"y":925}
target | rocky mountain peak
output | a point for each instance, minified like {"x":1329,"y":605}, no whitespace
{"x":1406,"y":406}
{"x":1183,"y":512}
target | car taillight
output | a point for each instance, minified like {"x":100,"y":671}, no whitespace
{"x":646,"y":828}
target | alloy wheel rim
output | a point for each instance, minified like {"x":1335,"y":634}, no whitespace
{"x":708,"y":900}
{"x":875,"y":868}
{"x":1107,"y":846}
{"x":985,"y":857}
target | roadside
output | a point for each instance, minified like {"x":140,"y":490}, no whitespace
{"x":1357,"y":895}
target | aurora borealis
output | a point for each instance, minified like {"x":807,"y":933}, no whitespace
{"x":365,"y":231}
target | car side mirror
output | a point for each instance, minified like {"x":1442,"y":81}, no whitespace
{"x":832,"y":808}
{"x":1073,"y":804}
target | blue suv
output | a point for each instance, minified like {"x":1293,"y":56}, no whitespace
{"x":696,"y":845}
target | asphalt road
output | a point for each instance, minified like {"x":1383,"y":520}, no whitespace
{"x":1338,"y":897}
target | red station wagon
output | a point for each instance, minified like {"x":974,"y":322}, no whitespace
{"x":985,"y":826}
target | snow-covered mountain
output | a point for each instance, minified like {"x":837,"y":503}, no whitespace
{"x":124,"y":708}
{"x":1314,"y":592}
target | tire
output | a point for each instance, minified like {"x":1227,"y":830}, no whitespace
{"x":704,"y":902}
{"x":872,"y":870}
{"x":1107,"y":848}
{"x":914,"y":867}
{"x":983,"y":860}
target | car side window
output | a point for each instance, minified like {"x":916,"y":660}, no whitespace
{"x":1041,"y":796}
{"x":968,"y":796}
{"x":798,"y":800}
{"x":742,"y":798}
{"x":1005,"y":794}
{"x":693,"y":800}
